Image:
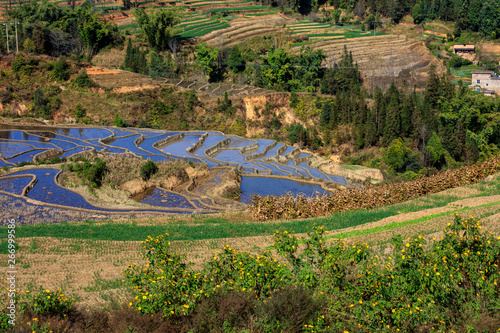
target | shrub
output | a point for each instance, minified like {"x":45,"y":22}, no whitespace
{"x":48,"y":302}
{"x":82,"y":80}
{"x":290,"y":309}
{"x":119,"y":122}
{"x":80,"y":112}
{"x":61,"y":69}
{"x":92,"y":172}
{"x":4,"y":322}
{"x":148,"y":169}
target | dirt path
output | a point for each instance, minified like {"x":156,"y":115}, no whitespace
{"x":456,"y":205}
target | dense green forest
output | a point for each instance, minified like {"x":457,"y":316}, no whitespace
{"x":46,"y":28}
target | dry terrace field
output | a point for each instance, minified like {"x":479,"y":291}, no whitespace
{"x":86,"y":258}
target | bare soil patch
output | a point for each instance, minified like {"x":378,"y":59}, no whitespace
{"x":93,"y":70}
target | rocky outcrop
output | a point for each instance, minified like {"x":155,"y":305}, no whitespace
{"x":230,"y":187}
{"x":134,"y":186}
{"x":178,"y":178}
{"x":47,"y":155}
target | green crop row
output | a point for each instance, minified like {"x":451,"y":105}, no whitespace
{"x":262,"y":14}
{"x":198,"y":33}
{"x":222,"y":3}
{"x":238,"y":9}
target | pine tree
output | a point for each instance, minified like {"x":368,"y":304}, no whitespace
{"x":392,"y":128}
{"x":127,"y":62}
{"x":433,"y":88}
{"x":325,"y":114}
{"x":379,"y":110}
{"x":407,"y":108}
{"x":371,"y":129}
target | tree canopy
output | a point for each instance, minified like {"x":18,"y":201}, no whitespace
{"x":157,"y":26}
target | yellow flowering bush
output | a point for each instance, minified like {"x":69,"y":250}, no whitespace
{"x":45,"y":301}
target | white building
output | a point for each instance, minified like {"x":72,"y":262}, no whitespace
{"x":487,"y":82}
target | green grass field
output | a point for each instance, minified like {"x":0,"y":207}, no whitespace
{"x":203,"y":227}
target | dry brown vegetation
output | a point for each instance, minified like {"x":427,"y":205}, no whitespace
{"x":288,"y":207}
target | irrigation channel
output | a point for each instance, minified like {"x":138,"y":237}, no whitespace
{"x":35,"y":195}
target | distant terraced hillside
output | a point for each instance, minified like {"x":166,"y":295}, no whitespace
{"x":244,"y":29}
{"x":382,"y":58}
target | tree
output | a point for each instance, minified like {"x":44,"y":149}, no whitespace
{"x":359,"y":9}
{"x":148,"y":169}
{"x":336,"y":15}
{"x":157,"y":27}
{"x":433,"y":87}
{"x":82,"y":80}
{"x":277,"y":69}
{"x":72,"y":3}
{"x":397,"y":10}
{"x":135,"y":59}
{"x":417,"y":14}
{"x":40,"y":104}
{"x":95,"y":34}
{"x":396,"y":155}
{"x":344,"y":76}
{"x":40,"y":39}
{"x":207,"y":58}
{"x":157,"y":65}
{"x":236,"y":63}
{"x":28,"y":46}
{"x":392,"y":128}
{"x":434,"y":149}
{"x":297,"y":133}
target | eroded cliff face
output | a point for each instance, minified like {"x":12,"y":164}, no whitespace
{"x":259,"y":109}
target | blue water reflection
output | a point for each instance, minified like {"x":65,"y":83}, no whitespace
{"x":275,"y":186}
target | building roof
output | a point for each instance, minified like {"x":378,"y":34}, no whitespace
{"x":464,"y":47}
{"x":482,"y":72}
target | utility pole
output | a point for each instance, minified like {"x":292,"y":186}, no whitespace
{"x":17,"y":45}
{"x":7,"y":35}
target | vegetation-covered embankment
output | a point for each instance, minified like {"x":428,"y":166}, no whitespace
{"x":273,"y":207}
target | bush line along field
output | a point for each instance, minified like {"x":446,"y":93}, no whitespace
{"x":272,"y":207}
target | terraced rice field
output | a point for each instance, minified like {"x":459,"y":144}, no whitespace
{"x":258,"y":158}
{"x":389,"y":56}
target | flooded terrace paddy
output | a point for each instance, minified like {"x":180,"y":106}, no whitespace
{"x":20,"y":145}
